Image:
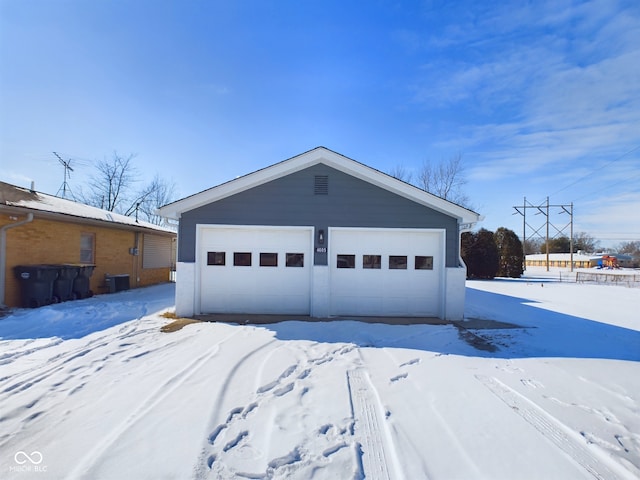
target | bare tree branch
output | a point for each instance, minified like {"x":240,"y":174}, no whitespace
{"x":401,"y":173}
{"x":445,"y":179}
{"x":157,"y":193}
{"x":112,"y":183}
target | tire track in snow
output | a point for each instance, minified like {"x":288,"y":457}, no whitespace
{"x":377,"y":449}
{"x":236,"y":449}
{"x":208,"y":455}
{"x":145,"y":407}
{"x":552,"y":429}
{"x":25,"y":379}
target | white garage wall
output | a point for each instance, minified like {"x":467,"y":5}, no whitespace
{"x":185,"y":289}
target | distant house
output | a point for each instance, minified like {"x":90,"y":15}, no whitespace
{"x":320,"y":235}
{"x":36,"y":228}
{"x":580,"y":260}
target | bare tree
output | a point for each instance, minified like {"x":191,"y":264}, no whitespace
{"x":157,"y":193}
{"x":445,"y":179}
{"x":585,"y":242}
{"x":533,"y":245}
{"x":112,"y":183}
{"x":631,"y":248}
{"x":401,"y":173}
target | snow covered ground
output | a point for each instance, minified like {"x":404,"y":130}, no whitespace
{"x":93,"y":389}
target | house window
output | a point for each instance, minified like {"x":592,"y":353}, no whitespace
{"x":87,"y":247}
{"x":397,"y":262}
{"x":156,"y":251}
{"x":268,"y":259}
{"x":346,"y":261}
{"x":424,"y":263}
{"x":242,"y":259}
{"x":371,"y":262}
{"x":295,"y":259}
{"x":216,"y":258}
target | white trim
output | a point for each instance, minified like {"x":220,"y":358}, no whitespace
{"x":308,"y":159}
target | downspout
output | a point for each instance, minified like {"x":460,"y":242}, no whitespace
{"x":3,"y":253}
{"x":136,"y":261}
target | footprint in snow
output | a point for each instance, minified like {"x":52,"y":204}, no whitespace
{"x":398,"y":377}
{"x":527,"y":382}
{"x":284,"y":390}
{"x":410,"y":362}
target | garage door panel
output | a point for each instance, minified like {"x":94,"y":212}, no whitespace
{"x":255,"y":288}
{"x":386,"y":291}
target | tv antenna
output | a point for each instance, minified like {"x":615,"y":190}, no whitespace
{"x":67,"y":174}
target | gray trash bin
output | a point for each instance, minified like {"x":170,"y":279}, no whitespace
{"x":36,"y":282}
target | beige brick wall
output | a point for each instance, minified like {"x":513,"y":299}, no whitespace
{"x":49,"y":241}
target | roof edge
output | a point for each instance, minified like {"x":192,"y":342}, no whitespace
{"x":309,"y":158}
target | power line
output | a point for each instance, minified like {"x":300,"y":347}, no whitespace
{"x":596,"y":170}
{"x":608,"y":187}
{"x":592,"y":171}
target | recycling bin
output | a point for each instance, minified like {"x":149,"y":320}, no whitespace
{"x":81,"y":284}
{"x":36,"y":283}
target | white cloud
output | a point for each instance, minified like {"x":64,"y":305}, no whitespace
{"x":615,"y":220}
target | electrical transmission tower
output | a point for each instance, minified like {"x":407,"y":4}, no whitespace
{"x":559,"y":229}
{"x":67,"y":174}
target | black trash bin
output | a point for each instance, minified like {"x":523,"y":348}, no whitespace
{"x":81,"y":284}
{"x":36,"y":284}
{"x":63,"y":285}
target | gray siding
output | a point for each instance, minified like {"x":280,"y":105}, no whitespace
{"x":290,"y":200}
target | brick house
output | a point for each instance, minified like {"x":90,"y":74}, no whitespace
{"x":36,"y":228}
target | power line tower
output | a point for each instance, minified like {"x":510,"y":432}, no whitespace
{"x":67,"y":174}
{"x":559,"y":229}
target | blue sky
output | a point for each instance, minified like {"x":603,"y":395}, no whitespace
{"x":540,"y":98}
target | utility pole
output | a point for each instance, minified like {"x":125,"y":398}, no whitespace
{"x":545,"y":209}
{"x":547,"y":242}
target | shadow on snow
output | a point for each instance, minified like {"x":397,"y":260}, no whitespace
{"x":79,"y":318}
{"x":543,"y":333}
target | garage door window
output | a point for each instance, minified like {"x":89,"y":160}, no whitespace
{"x":397,"y":262}
{"x":424,"y":263}
{"x":295,"y":259}
{"x":216,"y":258}
{"x":372,"y":262}
{"x":346,"y":261}
{"x":242,"y":259}
{"x":268,"y":259}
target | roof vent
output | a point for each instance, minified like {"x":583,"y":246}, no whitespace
{"x":321,"y":186}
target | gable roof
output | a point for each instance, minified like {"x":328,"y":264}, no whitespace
{"x":24,"y":199}
{"x":313,"y":157}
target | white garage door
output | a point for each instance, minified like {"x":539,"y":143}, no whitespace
{"x":255,"y":269}
{"x":386,"y":272}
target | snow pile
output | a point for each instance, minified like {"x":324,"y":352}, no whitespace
{"x":92,"y":389}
